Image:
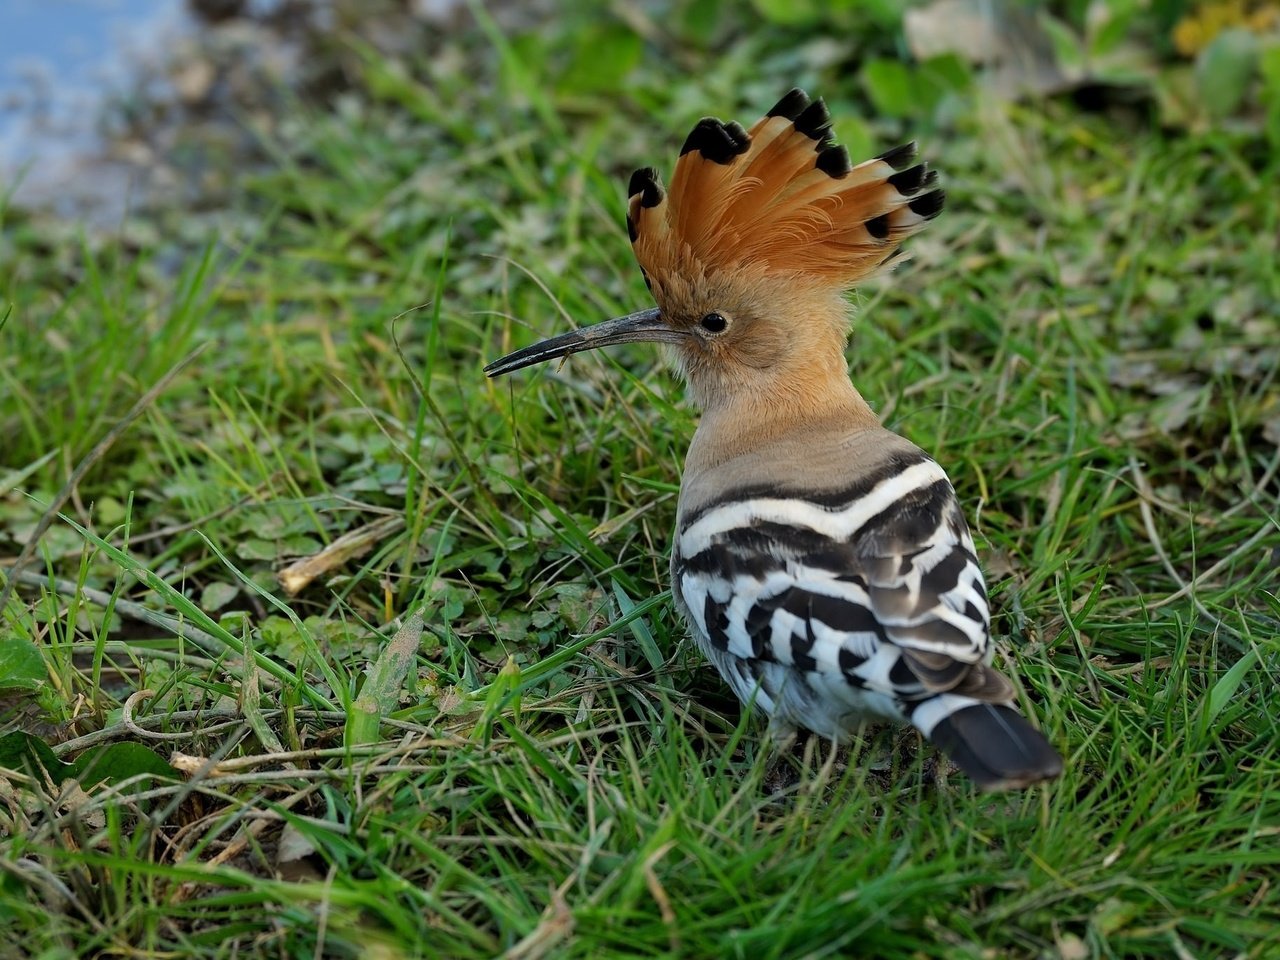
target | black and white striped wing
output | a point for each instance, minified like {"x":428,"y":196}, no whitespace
{"x":878,"y":584}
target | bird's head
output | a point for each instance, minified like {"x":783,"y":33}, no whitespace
{"x":750,"y":251}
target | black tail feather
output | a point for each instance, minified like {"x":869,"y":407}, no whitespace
{"x":996,"y":747}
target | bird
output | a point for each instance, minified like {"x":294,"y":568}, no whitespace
{"x":821,"y":561}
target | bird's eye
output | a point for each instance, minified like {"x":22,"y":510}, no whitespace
{"x":714,"y":323}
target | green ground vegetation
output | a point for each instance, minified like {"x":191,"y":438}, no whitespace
{"x":336,"y":648}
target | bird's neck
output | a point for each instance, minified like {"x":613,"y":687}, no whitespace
{"x":770,"y":409}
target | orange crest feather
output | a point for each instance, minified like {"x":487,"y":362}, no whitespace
{"x":780,"y":198}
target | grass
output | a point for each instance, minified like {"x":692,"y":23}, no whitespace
{"x":541,"y":765}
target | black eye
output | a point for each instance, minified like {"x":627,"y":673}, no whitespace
{"x":714,"y":323}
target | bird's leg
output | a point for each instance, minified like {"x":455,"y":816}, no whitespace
{"x":781,"y":736}
{"x":782,"y":772}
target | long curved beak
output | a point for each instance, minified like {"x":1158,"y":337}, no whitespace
{"x":645,"y":326}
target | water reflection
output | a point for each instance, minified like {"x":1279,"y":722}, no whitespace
{"x":60,"y":61}
{"x":113,"y":106}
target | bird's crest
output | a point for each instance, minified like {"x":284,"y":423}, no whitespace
{"x":781,"y":198}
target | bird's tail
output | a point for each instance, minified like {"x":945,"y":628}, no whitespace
{"x":992,"y":743}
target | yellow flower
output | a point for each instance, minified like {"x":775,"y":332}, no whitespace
{"x":1197,"y":29}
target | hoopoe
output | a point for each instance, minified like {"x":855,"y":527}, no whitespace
{"x":821,"y":561}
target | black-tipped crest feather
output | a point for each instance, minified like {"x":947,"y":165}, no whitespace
{"x":780,"y":198}
{"x":878,"y":227}
{"x":834,"y":161}
{"x":648,"y":184}
{"x":815,"y":121}
{"x":791,"y":105}
{"x":899,"y":157}
{"x":716,"y":141}
{"x":908,"y":181}
{"x":928,"y":205}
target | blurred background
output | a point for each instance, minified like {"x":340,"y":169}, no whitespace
{"x":107,"y":104}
